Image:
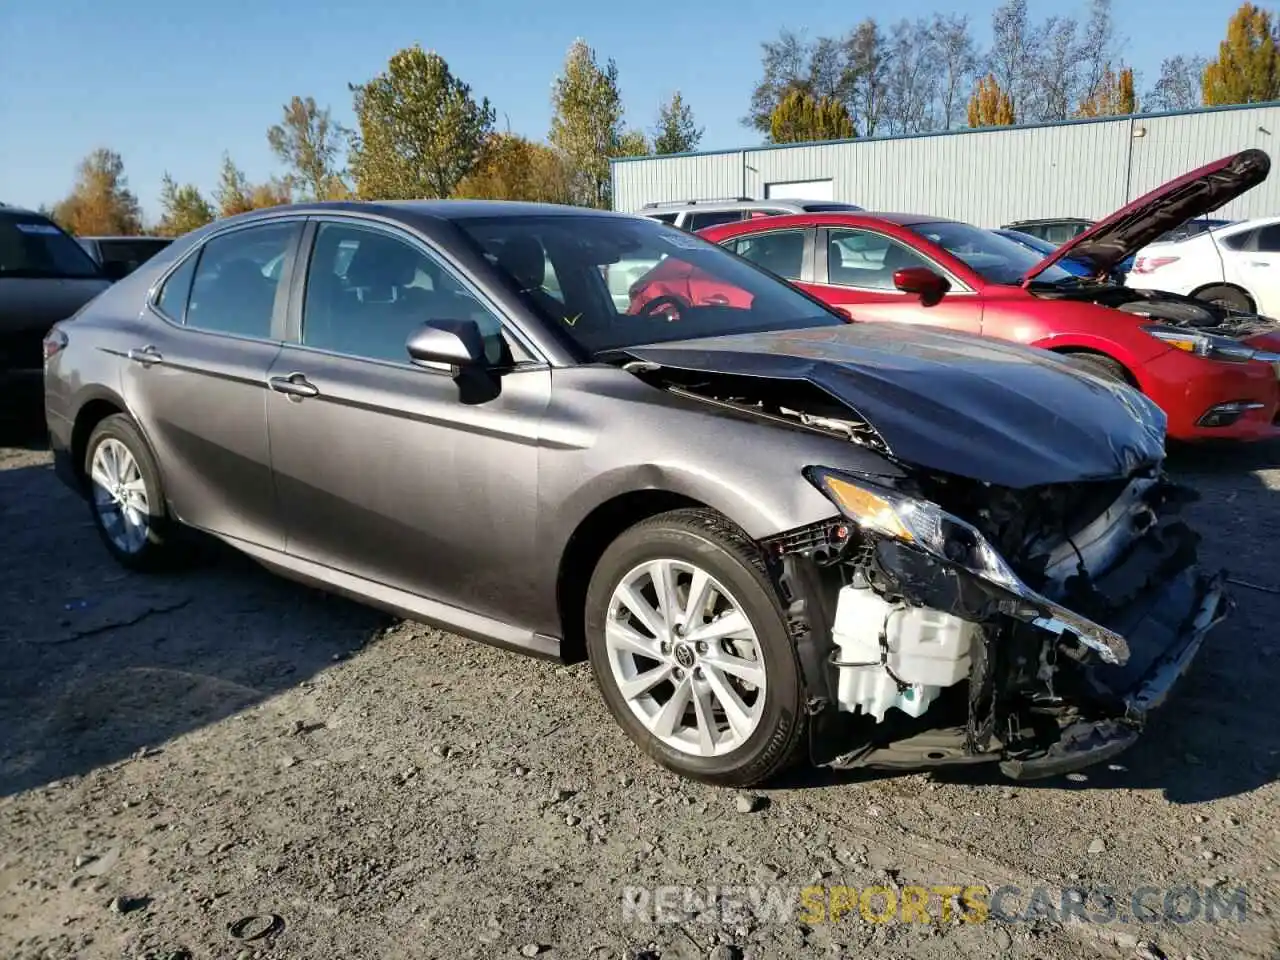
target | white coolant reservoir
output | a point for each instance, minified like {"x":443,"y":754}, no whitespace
{"x":927,"y":650}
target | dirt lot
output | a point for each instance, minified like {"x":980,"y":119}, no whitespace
{"x":182,"y":752}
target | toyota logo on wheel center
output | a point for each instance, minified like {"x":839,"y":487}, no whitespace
{"x":684,"y":655}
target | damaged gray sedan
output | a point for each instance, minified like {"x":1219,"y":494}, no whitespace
{"x":776,"y":535}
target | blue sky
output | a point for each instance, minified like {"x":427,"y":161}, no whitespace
{"x":171,"y":87}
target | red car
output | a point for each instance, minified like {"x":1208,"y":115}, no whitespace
{"x":1214,"y":373}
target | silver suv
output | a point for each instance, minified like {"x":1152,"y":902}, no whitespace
{"x":699,"y":214}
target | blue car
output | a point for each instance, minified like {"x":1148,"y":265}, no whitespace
{"x":1044,"y":248}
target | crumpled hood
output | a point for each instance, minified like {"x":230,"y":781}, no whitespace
{"x":1117,"y":237}
{"x":951,"y":402}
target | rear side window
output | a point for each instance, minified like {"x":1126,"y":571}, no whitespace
{"x":781,"y":253}
{"x":1269,"y":238}
{"x":237,"y":278}
{"x":33,"y":247}
{"x":172,"y":301}
{"x":1237,"y":241}
{"x":664,"y":217}
{"x":700,"y":221}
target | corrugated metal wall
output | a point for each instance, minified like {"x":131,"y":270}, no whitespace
{"x":988,"y":177}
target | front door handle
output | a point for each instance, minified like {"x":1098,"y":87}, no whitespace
{"x":146,"y":356}
{"x":295,"y":386}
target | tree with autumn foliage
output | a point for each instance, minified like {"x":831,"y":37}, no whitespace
{"x":515,"y":168}
{"x":309,"y":143}
{"x":586,"y":122}
{"x":800,"y":117}
{"x":100,"y":203}
{"x":990,"y":106}
{"x":1114,"y":96}
{"x":421,"y":129}
{"x":676,"y":131}
{"x":1247,"y":69}
{"x":182,"y":208}
{"x":235,"y":194}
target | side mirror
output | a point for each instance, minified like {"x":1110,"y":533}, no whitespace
{"x":929,"y":286}
{"x":115,"y":270}
{"x":455,"y":342}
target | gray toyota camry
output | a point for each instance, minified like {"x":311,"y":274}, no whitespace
{"x":776,"y":535}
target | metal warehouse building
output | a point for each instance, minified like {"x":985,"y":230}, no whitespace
{"x":1078,"y":168}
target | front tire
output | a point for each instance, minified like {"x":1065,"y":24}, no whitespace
{"x":1099,"y":365}
{"x":691,"y":650}
{"x":125,"y":495}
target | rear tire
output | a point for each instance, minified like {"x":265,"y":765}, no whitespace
{"x":1100,"y":365}
{"x":712,"y":692}
{"x":125,"y":496}
{"x":1233,"y":298}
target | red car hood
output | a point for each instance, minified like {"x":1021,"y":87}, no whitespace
{"x":1132,"y":227}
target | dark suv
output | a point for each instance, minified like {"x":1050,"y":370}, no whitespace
{"x":120,"y":256}
{"x":45,"y":276}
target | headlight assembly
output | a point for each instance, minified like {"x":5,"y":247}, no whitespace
{"x":925,"y":525}
{"x":920,"y":522}
{"x":1208,"y":345}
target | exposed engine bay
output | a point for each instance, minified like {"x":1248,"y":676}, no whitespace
{"x":947,"y":619}
{"x":1163,"y":307}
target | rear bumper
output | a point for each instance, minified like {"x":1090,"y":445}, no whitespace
{"x":1187,"y":387}
{"x":1164,"y":643}
{"x":60,"y":429}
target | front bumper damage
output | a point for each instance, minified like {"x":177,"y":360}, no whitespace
{"x":1043,"y":683}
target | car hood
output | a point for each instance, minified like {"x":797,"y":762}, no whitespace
{"x":1117,"y":237}
{"x":959,"y":404}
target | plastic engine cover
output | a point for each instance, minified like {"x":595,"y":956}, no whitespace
{"x":926,"y":649}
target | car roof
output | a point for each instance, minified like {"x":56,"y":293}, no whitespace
{"x":436,"y":209}
{"x":1038,"y":220}
{"x":9,"y":209}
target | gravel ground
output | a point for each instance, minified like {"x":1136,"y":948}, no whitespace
{"x":182,"y":752}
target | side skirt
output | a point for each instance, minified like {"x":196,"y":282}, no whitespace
{"x":401,"y":603}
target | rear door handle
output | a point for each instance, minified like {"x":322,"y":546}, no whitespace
{"x":295,"y":386}
{"x":146,"y":356}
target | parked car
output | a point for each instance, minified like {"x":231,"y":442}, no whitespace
{"x":1044,"y":248}
{"x":1211,"y":372}
{"x":775,"y":535}
{"x":1235,"y":266}
{"x":700,"y":214}
{"x":1056,"y":230}
{"x":120,"y":256}
{"x":44,"y":277}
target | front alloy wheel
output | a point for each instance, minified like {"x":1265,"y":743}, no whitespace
{"x":691,"y":650}
{"x":685,"y":658}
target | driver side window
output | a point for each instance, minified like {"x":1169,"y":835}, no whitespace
{"x":858,"y":258}
{"x":367,"y":290}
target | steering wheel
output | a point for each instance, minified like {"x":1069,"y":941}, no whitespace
{"x":668,"y":301}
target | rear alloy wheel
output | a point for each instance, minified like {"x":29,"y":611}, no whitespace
{"x":1231,"y":298}
{"x":125,"y":494}
{"x":691,"y":651}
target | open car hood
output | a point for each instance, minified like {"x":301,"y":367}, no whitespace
{"x":1132,"y":227}
{"x":960,"y":404}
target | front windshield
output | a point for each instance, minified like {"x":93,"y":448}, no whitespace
{"x":997,"y":259}
{"x":616,"y":282}
{"x":33,"y":247}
